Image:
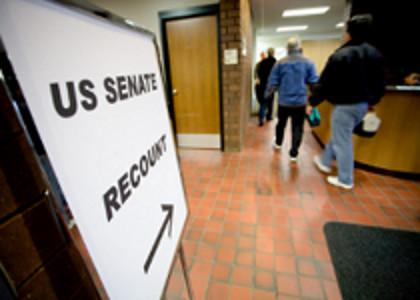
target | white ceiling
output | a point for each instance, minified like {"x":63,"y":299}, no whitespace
{"x":268,"y":16}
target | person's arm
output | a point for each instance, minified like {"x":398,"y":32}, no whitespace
{"x":311,"y":75}
{"x":311,"y":79}
{"x":412,"y":79}
{"x":273,"y":81}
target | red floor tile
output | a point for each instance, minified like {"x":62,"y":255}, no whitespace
{"x":286,"y":264}
{"x":287,"y":285}
{"x":326,"y":270}
{"x":242,"y":276}
{"x":265,"y":261}
{"x":199,"y":278}
{"x":311,"y":288}
{"x":283,"y":247}
{"x":241,"y":293}
{"x":307,"y":267}
{"x":217,"y":291}
{"x":246,"y":243}
{"x":221,"y":272}
{"x":247,"y":230}
{"x":211,"y":238}
{"x":228,"y":241}
{"x":321,"y":252}
{"x":304,"y":249}
{"x":226,"y":255}
{"x":264,"y":295}
{"x":331,"y":290}
{"x":264,"y":280}
{"x":206,"y":252}
{"x":265,"y":245}
{"x":245,"y":258}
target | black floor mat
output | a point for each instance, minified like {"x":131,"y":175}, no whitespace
{"x":375,"y":263}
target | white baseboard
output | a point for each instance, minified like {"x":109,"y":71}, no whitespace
{"x":210,"y":141}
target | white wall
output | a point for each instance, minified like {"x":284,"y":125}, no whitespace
{"x":263,"y":44}
{"x":146,"y":12}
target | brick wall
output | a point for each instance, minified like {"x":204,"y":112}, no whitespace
{"x":236,"y":32}
{"x":36,"y":253}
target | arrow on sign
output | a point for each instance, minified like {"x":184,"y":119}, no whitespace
{"x":169,"y":208}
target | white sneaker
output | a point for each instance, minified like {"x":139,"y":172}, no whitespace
{"x":318,"y":163}
{"x":275,"y":145}
{"x":293,"y":158}
{"x":334,"y":181}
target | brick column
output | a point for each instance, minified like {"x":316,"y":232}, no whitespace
{"x":236,"y":33}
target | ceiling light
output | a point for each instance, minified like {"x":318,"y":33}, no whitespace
{"x":299,"y":12}
{"x":291,"y":28}
{"x":340,"y":25}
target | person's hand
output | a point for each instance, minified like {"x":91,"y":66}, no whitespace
{"x":309,"y":110}
{"x":257,"y":81}
{"x":412,"y":79}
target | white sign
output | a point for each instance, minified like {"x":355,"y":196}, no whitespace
{"x":231,"y":56}
{"x":95,"y":92}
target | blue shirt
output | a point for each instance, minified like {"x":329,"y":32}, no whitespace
{"x":291,"y":75}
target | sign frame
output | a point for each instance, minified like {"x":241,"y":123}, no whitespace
{"x":27,"y":123}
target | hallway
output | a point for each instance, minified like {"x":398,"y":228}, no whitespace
{"x":256,"y":220}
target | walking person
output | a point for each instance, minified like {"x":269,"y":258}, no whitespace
{"x":353,"y":81}
{"x":258,"y":91}
{"x":290,"y":76}
{"x":262,"y":71}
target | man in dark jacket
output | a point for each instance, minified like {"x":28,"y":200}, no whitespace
{"x":352,"y":80}
{"x":262,"y":71}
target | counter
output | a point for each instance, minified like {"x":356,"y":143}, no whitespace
{"x":396,"y":146}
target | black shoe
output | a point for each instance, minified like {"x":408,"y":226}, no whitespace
{"x":293,"y":154}
{"x":269,"y":119}
{"x":260,"y":123}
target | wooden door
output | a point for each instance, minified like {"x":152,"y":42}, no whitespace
{"x":193,"y":59}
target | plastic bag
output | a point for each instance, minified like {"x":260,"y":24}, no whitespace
{"x":369,"y":125}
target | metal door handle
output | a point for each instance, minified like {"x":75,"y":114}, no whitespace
{"x":174,"y":92}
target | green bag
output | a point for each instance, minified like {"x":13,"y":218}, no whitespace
{"x":314,"y":118}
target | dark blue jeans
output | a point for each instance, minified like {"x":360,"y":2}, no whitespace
{"x":266,"y":104}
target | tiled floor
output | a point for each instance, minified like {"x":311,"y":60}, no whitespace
{"x":256,"y":224}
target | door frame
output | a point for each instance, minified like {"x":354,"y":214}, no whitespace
{"x":185,"y":13}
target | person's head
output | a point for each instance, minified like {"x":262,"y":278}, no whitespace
{"x":359,"y":27}
{"x":270,"y":52}
{"x":293,"y":45}
{"x":262,"y":55}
